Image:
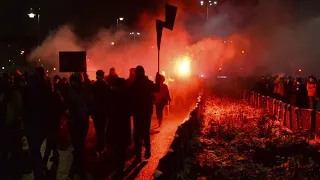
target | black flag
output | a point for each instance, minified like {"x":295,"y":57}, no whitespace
{"x":171,"y":12}
{"x":170,"y":17}
{"x":159,"y":27}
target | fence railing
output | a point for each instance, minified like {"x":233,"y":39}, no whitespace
{"x":295,"y":118}
{"x":180,"y":148}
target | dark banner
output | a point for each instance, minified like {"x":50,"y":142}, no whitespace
{"x":72,"y":61}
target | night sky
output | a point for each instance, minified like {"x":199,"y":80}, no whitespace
{"x":88,"y":16}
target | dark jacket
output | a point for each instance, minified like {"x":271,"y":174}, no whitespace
{"x":119,"y":121}
{"x":38,"y":92}
{"x":79,"y":101}
{"x":142,"y":95}
{"x":56,"y":112}
{"x":111,"y":80}
{"x":101,"y":98}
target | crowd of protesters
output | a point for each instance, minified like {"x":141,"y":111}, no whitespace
{"x":31,"y":104}
{"x":300,"y":92}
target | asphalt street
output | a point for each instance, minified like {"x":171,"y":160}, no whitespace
{"x":161,"y":138}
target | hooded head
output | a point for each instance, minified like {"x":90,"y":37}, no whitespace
{"x":140,"y":71}
{"x":76,"y":80}
{"x":40,"y":72}
{"x":112,"y":72}
{"x":56,"y":79}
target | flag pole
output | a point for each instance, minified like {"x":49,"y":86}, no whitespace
{"x":158,"y":60}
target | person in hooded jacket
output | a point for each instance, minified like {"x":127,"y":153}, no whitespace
{"x":10,"y":131}
{"x":119,"y":125}
{"x":278,"y":89}
{"x":287,"y":90}
{"x":301,"y":94}
{"x":101,"y":109}
{"x":79,"y":106}
{"x":142,"y":95}
{"x":64,"y":87}
{"x":53,"y":126}
{"x":112,"y":77}
{"x":162,"y":98}
{"x":56,"y":82}
{"x":38,"y":94}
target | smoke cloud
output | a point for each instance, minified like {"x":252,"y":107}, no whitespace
{"x":244,"y":39}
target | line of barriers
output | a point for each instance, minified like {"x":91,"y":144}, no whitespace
{"x":295,"y":118}
{"x":180,"y":148}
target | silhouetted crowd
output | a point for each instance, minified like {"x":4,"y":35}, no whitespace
{"x":33,"y":106}
{"x":300,"y":92}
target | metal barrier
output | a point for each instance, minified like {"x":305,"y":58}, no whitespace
{"x":288,"y":117}
{"x":317,"y":124}
{"x":294,"y":118}
{"x":180,"y":148}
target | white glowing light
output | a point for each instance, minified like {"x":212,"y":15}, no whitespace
{"x":54,"y":69}
{"x":32,"y":15}
{"x":22,"y":52}
{"x":201,"y":3}
{"x":121,"y":18}
{"x":2,"y":67}
{"x":112,"y":43}
{"x":184,"y":66}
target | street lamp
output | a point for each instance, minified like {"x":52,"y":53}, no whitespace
{"x":134,"y":34}
{"x":119,"y":19}
{"x":208,"y":3}
{"x":32,"y":14}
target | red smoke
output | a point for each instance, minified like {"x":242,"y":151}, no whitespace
{"x":208,"y":53}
